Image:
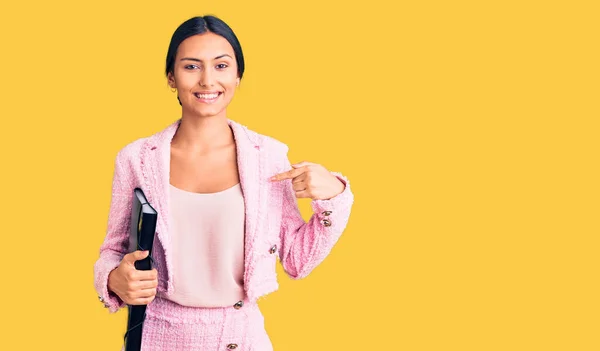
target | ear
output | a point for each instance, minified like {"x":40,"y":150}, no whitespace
{"x":171,"y":80}
{"x":237,"y":84}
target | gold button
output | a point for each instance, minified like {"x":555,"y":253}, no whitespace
{"x":238,"y":305}
{"x":326,"y":222}
{"x":273,"y":249}
{"x":326,"y":213}
{"x":232,"y":346}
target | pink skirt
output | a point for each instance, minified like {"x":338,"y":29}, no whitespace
{"x":172,"y":327}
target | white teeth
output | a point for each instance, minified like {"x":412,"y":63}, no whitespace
{"x":207,"y":96}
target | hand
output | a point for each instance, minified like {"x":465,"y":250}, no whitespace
{"x":134,"y":287}
{"x":312,"y":180}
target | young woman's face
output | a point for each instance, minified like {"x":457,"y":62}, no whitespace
{"x":205,"y":74}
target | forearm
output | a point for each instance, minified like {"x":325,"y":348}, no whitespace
{"x":306,"y":244}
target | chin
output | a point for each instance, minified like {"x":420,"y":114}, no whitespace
{"x":207,"y":112}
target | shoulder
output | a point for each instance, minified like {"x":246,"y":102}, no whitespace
{"x":130,"y":153}
{"x":268,"y":142}
{"x":132,"y":149}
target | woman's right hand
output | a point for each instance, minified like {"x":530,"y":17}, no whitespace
{"x":134,"y":287}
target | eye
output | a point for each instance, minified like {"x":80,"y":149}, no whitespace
{"x":187,"y":67}
{"x":222,"y":64}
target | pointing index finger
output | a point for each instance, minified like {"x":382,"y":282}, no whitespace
{"x":292,"y":173}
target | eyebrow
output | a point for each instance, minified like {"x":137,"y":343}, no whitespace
{"x":198,"y":60}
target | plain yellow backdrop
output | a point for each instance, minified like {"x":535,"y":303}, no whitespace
{"x":468,"y":130}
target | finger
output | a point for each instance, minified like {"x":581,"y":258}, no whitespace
{"x":299,"y":186}
{"x":288,"y":175}
{"x":146,"y":284}
{"x":145,"y":275}
{"x":300,"y":178}
{"x":144,"y":293}
{"x":142,"y":301}
{"x":302,"y":194}
{"x":135,"y":256}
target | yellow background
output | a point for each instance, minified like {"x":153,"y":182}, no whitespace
{"x":468,"y":130}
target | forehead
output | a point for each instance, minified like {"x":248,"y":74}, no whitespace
{"x":204,"y":46}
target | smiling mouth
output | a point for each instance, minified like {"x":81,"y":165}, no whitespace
{"x":211,"y":97}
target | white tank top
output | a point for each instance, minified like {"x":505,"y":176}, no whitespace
{"x":208,"y":247}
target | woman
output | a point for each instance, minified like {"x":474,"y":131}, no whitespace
{"x":226,"y":203}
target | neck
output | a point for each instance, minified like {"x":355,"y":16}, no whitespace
{"x":200,"y":134}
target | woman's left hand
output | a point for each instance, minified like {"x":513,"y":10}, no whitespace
{"x":311,"y":180}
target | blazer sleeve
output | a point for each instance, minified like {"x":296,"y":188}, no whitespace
{"x":304,"y":245}
{"x":116,"y":241}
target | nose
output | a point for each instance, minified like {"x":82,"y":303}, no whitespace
{"x":206,"y":78}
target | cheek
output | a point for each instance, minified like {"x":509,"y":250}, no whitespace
{"x":231,"y":83}
{"x":230,"y":90}
{"x":228,"y":96}
{"x":185,"y":81}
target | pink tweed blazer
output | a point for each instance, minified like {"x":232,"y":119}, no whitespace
{"x":274,"y":227}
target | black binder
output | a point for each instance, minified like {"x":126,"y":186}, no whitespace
{"x":141,"y":237}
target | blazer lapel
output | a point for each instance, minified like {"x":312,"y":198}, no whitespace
{"x":156,"y":166}
{"x":250,"y":173}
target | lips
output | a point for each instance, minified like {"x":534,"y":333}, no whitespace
{"x":208,"y":97}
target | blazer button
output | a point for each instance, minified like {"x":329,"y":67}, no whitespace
{"x":273,"y":249}
{"x":232,"y":346}
{"x":326,"y":213}
{"x":238,"y":305}
{"x":326,"y":222}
